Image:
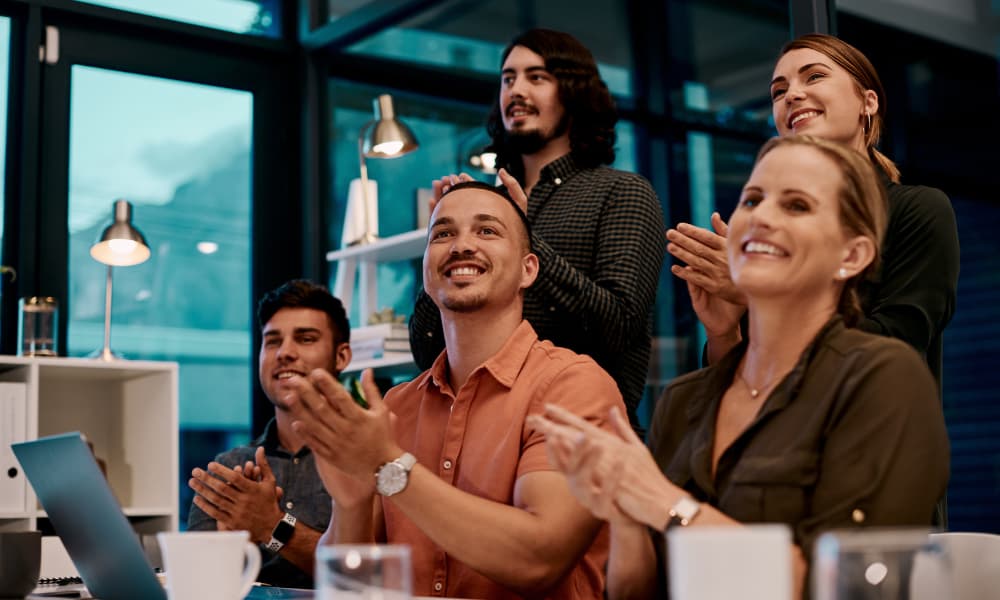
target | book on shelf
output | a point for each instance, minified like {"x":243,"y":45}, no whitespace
{"x":385,"y":331}
{"x":396,"y":345}
{"x":389,"y":356}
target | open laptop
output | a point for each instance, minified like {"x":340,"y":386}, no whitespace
{"x":88,"y":519}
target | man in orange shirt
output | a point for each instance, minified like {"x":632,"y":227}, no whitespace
{"x":458,"y":476}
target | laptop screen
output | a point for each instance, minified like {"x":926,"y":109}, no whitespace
{"x":87,"y":517}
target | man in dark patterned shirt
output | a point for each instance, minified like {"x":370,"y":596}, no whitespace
{"x":597,"y":231}
{"x":270,"y":487}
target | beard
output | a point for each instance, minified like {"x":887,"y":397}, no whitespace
{"x":530,"y":142}
{"x":464,"y":304}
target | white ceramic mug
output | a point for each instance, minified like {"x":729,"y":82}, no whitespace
{"x":753,"y":562}
{"x":221,"y":565}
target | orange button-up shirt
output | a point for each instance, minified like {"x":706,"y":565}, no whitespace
{"x":476,"y":440}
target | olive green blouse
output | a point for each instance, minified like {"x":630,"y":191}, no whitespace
{"x":853,"y":436}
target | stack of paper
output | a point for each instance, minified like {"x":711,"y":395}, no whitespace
{"x":379,"y":341}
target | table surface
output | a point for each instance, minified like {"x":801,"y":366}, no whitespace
{"x":259,"y":592}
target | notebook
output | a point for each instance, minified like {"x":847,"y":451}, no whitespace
{"x":87,"y":518}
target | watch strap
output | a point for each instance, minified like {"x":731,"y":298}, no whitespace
{"x":407,"y":461}
{"x":404,"y":464}
{"x":683,"y":512}
{"x":282,"y":533}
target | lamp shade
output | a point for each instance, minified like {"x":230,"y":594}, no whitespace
{"x":120,"y":244}
{"x":386,"y":136}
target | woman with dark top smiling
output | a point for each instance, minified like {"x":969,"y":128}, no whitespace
{"x":824,"y":87}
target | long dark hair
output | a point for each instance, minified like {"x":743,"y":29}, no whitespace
{"x":583,"y":94}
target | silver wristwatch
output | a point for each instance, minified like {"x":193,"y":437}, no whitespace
{"x":683,"y":512}
{"x":392,"y":477}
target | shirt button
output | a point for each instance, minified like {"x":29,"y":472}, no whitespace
{"x":552,"y":309}
{"x":430,"y":334}
{"x":447,"y":464}
{"x":438,"y":586}
{"x":295,"y":461}
{"x":858,"y":515}
{"x":558,"y":181}
{"x":289,"y":505}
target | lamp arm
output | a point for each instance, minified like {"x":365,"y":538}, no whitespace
{"x":367,"y":236}
{"x":106,"y":353}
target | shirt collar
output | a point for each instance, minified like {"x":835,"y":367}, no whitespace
{"x":504,"y":366}
{"x":562,"y":168}
{"x":722,"y":374}
{"x":269,"y":440}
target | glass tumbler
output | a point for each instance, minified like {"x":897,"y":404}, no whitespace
{"x":881,"y":564}
{"x":363,"y":572}
{"x":38,"y":326}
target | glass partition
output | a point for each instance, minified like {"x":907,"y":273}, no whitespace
{"x":722,"y":55}
{"x":470,"y":36}
{"x":4,"y":81}
{"x":256,"y":17}
{"x":941,"y":92}
{"x":180,"y":152}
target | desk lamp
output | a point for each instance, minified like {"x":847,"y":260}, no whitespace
{"x":383,"y":137}
{"x":120,"y":245}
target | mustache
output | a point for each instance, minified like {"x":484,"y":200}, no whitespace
{"x":518,"y":103}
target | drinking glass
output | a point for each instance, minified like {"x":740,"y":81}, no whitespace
{"x":38,"y":326}
{"x":881,"y":564}
{"x":363,"y":572}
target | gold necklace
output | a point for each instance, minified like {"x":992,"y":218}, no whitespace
{"x":754,"y":392}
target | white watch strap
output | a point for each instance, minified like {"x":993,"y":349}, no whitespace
{"x":275,"y":545}
{"x":407,"y":460}
{"x":684,"y":511}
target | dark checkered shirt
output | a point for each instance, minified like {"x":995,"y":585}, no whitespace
{"x":598,"y":234}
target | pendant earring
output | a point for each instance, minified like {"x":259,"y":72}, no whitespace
{"x":869,"y":115}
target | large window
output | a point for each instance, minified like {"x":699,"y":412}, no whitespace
{"x":4,"y":79}
{"x":181,"y":154}
{"x":471,"y":36}
{"x":947,"y":77}
{"x":258,"y":17}
{"x":721,"y":55}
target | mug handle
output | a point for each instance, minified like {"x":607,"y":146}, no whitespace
{"x":251,"y":569}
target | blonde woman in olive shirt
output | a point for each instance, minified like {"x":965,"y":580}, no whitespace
{"x":809,"y":423}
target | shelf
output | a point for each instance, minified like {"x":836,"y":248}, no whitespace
{"x":390,"y":363}
{"x":397,"y":247}
{"x":130,"y":511}
{"x":127,"y":409}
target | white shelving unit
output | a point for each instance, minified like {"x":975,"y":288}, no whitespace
{"x":127,"y":409}
{"x":361,"y":261}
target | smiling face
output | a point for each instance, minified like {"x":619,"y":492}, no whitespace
{"x":476,"y":254}
{"x":785,"y":236}
{"x":811,"y":94}
{"x":532,"y":112}
{"x":295,"y":341}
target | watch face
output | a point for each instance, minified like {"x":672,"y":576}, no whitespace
{"x":391,"y":479}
